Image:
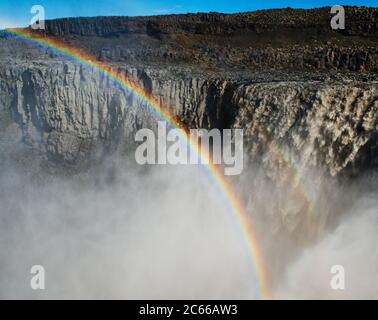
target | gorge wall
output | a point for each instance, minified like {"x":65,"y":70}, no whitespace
{"x":69,"y":112}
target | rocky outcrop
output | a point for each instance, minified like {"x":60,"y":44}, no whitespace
{"x":282,"y":39}
{"x":313,"y":95}
{"x":360,"y":20}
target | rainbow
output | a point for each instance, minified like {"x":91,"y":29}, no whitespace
{"x":215,"y":172}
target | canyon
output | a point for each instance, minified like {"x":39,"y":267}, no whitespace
{"x":306,"y":97}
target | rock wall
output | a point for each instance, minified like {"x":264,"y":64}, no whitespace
{"x":70,"y":112}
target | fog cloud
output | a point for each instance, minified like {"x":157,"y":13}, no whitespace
{"x":119,"y":230}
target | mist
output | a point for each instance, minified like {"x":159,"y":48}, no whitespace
{"x":118,"y":233}
{"x":116,"y":230}
{"x":352,"y":245}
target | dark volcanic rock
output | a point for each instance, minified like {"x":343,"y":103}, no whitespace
{"x":284,"y":39}
{"x":311,"y":88}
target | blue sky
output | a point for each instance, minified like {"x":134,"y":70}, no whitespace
{"x":17,"y":13}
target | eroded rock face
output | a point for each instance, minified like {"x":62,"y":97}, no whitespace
{"x":295,"y":85}
{"x":326,"y":125}
{"x":69,"y":112}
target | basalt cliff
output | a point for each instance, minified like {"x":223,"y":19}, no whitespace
{"x":284,"y":76}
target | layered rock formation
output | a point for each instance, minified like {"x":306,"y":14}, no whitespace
{"x":282,"y":75}
{"x":327,"y":124}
